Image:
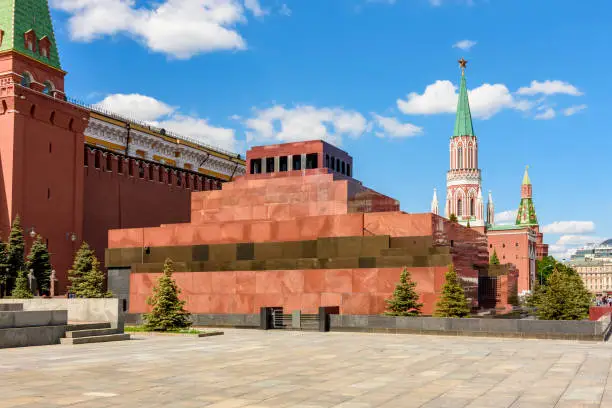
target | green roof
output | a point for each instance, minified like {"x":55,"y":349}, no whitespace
{"x":526,"y":213}
{"x":18,"y":17}
{"x":504,"y":227}
{"x":463,"y":123}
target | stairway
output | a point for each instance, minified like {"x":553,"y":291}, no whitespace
{"x":92,"y":333}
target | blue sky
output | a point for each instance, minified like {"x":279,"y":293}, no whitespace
{"x":376,"y":77}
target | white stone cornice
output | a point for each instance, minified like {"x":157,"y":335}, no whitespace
{"x":153,"y":145}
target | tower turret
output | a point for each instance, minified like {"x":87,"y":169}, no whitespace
{"x":490,"y":210}
{"x":28,"y":51}
{"x":526,"y":212}
{"x":463,"y":180}
{"x":434,"y":203}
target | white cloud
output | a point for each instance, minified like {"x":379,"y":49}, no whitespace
{"x":569,"y":227}
{"x":567,"y":245}
{"x":549,"y":88}
{"x":572,"y":110}
{"x":569,"y":240}
{"x":285,"y":10}
{"x":200,"y":129}
{"x":545,"y":114}
{"x":560,"y":252}
{"x":394,"y":128}
{"x":465,"y":45}
{"x":136,"y":106}
{"x":279,"y":124}
{"x":254,"y":7}
{"x":179,"y":28}
{"x":381,"y":1}
{"x":162,"y":115}
{"x":506,"y":217}
{"x":441,"y":97}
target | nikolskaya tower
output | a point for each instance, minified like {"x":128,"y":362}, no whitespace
{"x":464,"y":196}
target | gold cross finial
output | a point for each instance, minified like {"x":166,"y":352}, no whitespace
{"x":462,"y":63}
{"x":526,"y":167}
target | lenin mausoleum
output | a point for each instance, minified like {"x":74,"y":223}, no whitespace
{"x":288,"y":227}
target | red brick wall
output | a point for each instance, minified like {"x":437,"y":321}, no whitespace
{"x":41,"y":151}
{"x":118,"y":200}
{"x":505,"y":245}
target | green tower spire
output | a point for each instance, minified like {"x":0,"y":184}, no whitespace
{"x":463,"y":123}
{"x":18,"y":17}
{"x":526,"y":214}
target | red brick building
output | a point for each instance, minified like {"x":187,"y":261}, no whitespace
{"x":72,"y":172}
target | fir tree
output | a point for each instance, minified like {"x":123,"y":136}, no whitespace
{"x":494,"y":259}
{"x":22,"y":287}
{"x":452,"y":303}
{"x":15,"y":250}
{"x":563,"y":298}
{"x":468,"y":224}
{"x":168,"y":311}
{"x":535,"y":298}
{"x":452,"y":218}
{"x":86,"y":278}
{"x":39,"y":262}
{"x":405,"y":300}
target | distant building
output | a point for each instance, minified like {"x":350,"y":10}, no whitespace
{"x":594,"y":252}
{"x":594,"y":265}
{"x":520,"y":244}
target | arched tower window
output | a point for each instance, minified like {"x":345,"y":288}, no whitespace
{"x":26,"y":79}
{"x":49,"y":88}
{"x":472,"y":211}
{"x":460,"y":157}
{"x":459,"y":208}
{"x":470,"y":155}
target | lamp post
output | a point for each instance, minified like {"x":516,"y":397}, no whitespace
{"x":31,"y":281}
{"x":5,"y":286}
{"x":52,"y":288}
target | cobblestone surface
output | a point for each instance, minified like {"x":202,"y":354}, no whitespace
{"x":251,"y":368}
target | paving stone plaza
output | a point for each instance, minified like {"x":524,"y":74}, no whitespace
{"x":252,"y":368}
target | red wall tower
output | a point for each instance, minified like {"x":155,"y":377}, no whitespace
{"x":41,"y":149}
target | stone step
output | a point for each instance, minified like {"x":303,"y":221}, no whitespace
{"x":95,"y":339}
{"x":87,"y":326}
{"x":89,"y":333}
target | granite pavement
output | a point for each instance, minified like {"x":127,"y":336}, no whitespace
{"x":252,"y":368}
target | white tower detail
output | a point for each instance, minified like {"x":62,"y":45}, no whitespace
{"x":490,"y":210}
{"x":434,"y":203}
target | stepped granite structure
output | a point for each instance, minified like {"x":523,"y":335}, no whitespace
{"x":298,"y":232}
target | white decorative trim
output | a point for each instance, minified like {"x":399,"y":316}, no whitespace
{"x":156,"y":146}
